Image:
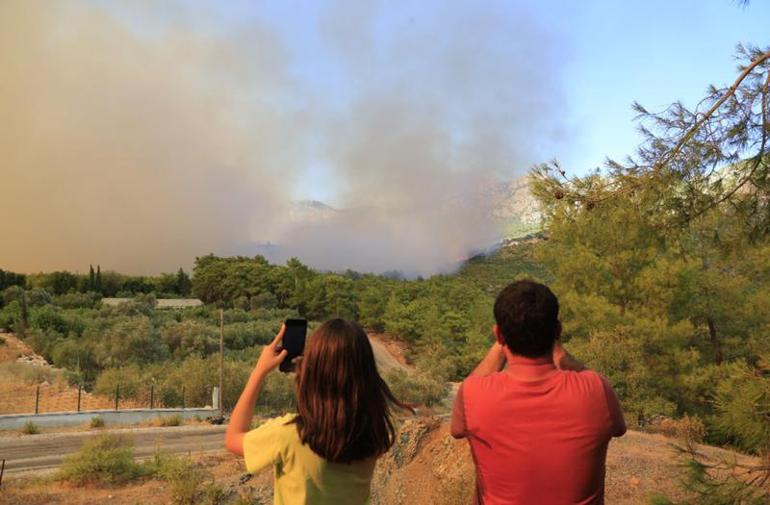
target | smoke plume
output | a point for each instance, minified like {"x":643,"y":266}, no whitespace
{"x":138,"y":137}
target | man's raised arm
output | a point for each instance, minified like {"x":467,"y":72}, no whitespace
{"x":493,"y":362}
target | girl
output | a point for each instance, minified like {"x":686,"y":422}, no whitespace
{"x":326,"y":452}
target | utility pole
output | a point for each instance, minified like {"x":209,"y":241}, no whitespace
{"x":221,"y":356}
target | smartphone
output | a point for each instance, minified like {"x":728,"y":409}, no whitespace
{"x":294,"y":342}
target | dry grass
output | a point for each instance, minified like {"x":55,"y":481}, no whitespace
{"x":19,"y":382}
{"x":174,"y":420}
{"x":689,"y":430}
{"x":173,"y":484}
{"x":30,"y":428}
{"x":12,"y":348}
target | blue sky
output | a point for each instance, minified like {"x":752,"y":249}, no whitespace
{"x":610,"y":53}
{"x":619,"y":58}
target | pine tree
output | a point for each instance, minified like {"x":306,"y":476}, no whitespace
{"x":91,"y":278}
{"x":24,"y":313}
{"x":665,"y":254}
{"x":183,"y":284}
{"x":98,"y":280}
{"x":716,"y":157}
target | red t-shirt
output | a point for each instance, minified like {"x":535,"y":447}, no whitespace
{"x":539,"y":435}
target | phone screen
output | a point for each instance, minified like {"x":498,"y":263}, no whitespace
{"x":293,"y":342}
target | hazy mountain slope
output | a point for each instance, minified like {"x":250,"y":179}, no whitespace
{"x":514,"y":209}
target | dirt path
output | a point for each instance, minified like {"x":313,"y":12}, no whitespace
{"x":384,"y":357}
{"x":46,"y":451}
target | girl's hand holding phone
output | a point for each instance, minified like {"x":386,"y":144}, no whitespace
{"x":272,"y":355}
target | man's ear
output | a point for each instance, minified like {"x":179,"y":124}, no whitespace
{"x":498,"y":335}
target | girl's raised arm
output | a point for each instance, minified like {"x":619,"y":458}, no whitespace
{"x":240,"y":419}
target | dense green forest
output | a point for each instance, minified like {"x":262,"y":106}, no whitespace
{"x":445,"y":321}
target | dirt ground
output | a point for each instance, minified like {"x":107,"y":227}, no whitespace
{"x":425,"y":466}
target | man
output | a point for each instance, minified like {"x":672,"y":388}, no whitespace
{"x":539,"y":429}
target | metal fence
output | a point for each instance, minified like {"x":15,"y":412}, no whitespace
{"x":48,"y":398}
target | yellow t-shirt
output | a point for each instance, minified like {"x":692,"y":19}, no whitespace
{"x":300,"y":475}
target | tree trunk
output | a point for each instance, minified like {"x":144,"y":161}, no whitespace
{"x":715,"y":341}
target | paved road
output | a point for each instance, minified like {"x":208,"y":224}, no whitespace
{"x":46,"y":451}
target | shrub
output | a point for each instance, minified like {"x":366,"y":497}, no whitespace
{"x":246,"y":334}
{"x":174,"y":420}
{"x":30,"y":428}
{"x":166,"y":467}
{"x":77,"y":300}
{"x":97,"y":422}
{"x":37,"y":297}
{"x":197,"y":376}
{"x":105,"y":459}
{"x":11,"y":294}
{"x":418,"y":389}
{"x":42,"y":342}
{"x":13,"y":371}
{"x":127,"y":340}
{"x":277,"y":395}
{"x":129,"y":378}
{"x":689,"y":430}
{"x":190,"y":484}
{"x":10,"y":315}
{"x":195,"y":486}
{"x":76,"y":356}
{"x":742,"y":401}
{"x":190,"y":337}
{"x":48,"y":318}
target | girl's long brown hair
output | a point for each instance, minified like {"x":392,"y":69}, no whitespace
{"x":343,"y":411}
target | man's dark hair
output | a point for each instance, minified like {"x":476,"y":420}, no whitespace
{"x":527,"y":314}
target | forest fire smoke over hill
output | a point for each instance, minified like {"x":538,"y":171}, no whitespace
{"x":140,"y":137}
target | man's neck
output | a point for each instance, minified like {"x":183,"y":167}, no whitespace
{"x":529,"y":369}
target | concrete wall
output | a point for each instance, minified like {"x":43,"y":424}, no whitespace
{"x":128,"y":416}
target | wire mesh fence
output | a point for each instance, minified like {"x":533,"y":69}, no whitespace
{"x":62,"y":397}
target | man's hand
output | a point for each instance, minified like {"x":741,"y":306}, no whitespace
{"x":271,"y":357}
{"x":564,"y":360}
{"x":493,"y":362}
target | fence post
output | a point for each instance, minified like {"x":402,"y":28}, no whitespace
{"x":152,"y":395}
{"x":117,"y":395}
{"x":37,"y":398}
{"x":183,"y":397}
{"x":221,"y":358}
{"x":215,"y":398}
{"x":80,"y":389}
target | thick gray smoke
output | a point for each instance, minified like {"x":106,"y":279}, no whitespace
{"x":139,"y":138}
